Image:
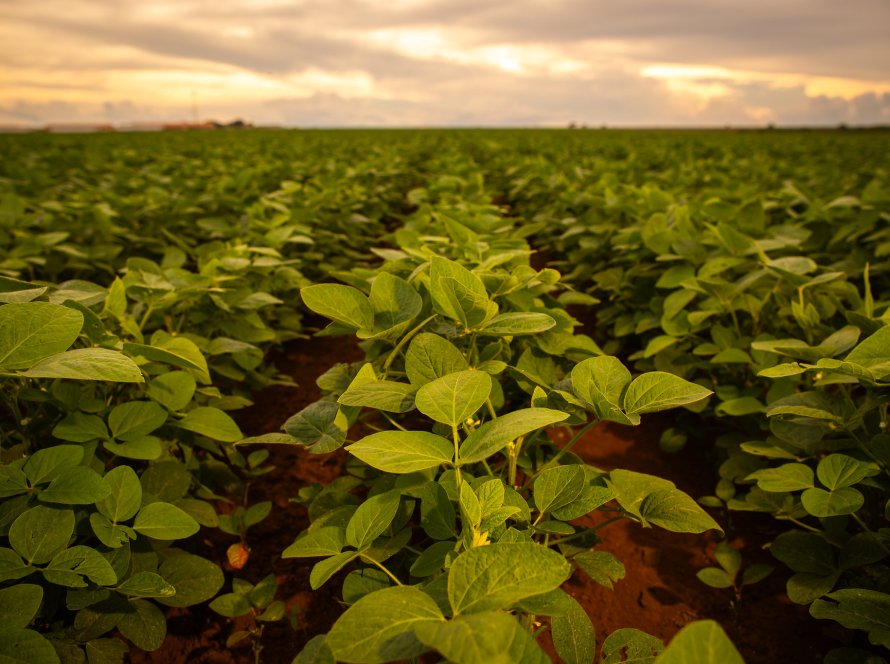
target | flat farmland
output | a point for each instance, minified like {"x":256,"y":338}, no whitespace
{"x":445,"y":395}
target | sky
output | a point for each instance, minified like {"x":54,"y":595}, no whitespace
{"x":446,"y":62}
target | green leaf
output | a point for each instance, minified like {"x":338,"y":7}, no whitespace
{"x":75,"y":486}
{"x":657,"y":390}
{"x":19,"y":605}
{"x":146,"y":584}
{"x":858,"y":608}
{"x":558,"y":487}
{"x":316,"y":427}
{"x":213,"y":423}
{"x":395,"y":304}
{"x":32,"y":331}
{"x":517,"y":324}
{"x":372,"y":518}
{"x":631,"y":646}
{"x":388,"y":395}
{"x":731,"y":356}
{"x":380,"y":626}
{"x":498,"y":575}
{"x":176,"y":351}
{"x":492,"y":636}
{"x":573,"y":635}
{"x":804,"y":552}
{"x":492,"y":436}
{"x":756,"y":573}
{"x":343,"y":304}
{"x":470,"y":507}
{"x":837,"y":471}
{"x":12,"y":567}
{"x":430,"y":357}
{"x":173,"y":390}
{"x":144,"y":624}
{"x":106,"y":651}
{"x":787,"y":477}
{"x":872,"y":352}
{"x":135,"y":419}
{"x":324,"y":541}
{"x":361,"y":582}
{"x":143,"y":449}
{"x":715,"y":577}
{"x":437,"y":514}
{"x":25,"y":646}
{"x":167,"y":480}
{"x":658,"y":501}
{"x":601,"y":382}
{"x":325,"y":569}
{"x":814,"y":405}
{"x":491,"y":495}
{"x":455,"y":397}
{"x":740,"y":407}
{"x":88,"y":364}
{"x":403,"y":451}
{"x":601,"y":566}
{"x":231,"y":605}
{"x":316,"y":651}
{"x":164,"y":521}
{"x":80,"y":428}
{"x":15,"y":290}
{"x":806,"y":588}
{"x":263,"y":592}
{"x":125,"y":495}
{"x":728,"y":558}
{"x":68,"y":566}
{"x":458,"y":293}
{"x":676,"y":511}
{"x":13,"y":482}
{"x":782,"y":370}
{"x":194,"y":578}
{"x":41,"y":532}
{"x":110,"y":534}
{"x":47,"y":464}
{"x":432,"y":559}
{"x":701,"y":642}
{"x":823,"y":504}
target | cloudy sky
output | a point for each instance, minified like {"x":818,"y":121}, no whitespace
{"x":446,"y":62}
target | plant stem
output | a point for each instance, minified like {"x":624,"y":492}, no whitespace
{"x":404,"y":340}
{"x":384,"y":570}
{"x":568,"y":446}
{"x":874,"y":536}
{"x":456,"y":437}
{"x":513,"y":456}
{"x":586,"y":531}
{"x":393,"y":422}
{"x":491,"y":412}
{"x":148,"y":311}
{"x":803,"y":525}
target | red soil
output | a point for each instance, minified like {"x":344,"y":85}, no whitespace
{"x":659,"y":595}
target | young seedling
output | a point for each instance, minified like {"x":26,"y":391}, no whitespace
{"x":246,"y":599}
{"x":727,"y":576}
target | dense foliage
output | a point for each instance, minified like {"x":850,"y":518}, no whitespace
{"x":144,"y":278}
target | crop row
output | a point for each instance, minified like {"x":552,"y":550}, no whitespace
{"x":144,"y":280}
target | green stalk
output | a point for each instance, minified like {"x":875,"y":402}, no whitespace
{"x":586,"y":531}
{"x":384,"y":570}
{"x":568,"y":446}
{"x":456,"y":437}
{"x":874,"y":535}
{"x":404,"y":340}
